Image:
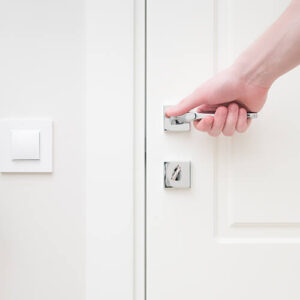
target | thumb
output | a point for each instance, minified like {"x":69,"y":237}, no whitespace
{"x":193,"y":100}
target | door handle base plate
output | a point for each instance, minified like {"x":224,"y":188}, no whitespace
{"x":170,"y":125}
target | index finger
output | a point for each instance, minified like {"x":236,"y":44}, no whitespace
{"x":193,"y":100}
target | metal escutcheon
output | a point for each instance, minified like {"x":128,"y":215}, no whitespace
{"x":177,"y":174}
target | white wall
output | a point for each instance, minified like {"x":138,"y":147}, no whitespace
{"x":42,"y":216}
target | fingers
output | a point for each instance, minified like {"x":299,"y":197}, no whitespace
{"x":193,"y":100}
{"x":213,"y":125}
{"x":205,"y":124}
{"x":242,"y":123}
{"x":226,"y":119}
{"x":219,"y":121}
{"x":231,"y":121}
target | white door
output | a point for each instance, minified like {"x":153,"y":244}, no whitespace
{"x":235,"y":234}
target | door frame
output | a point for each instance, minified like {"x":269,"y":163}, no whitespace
{"x":115,"y":149}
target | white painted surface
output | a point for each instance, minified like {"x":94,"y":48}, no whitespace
{"x":235,"y":235}
{"x":69,"y":235}
{"x":42,"y":216}
{"x":110,"y":150}
{"x":139,"y":150}
{"x":25,"y":144}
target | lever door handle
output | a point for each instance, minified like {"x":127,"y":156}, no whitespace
{"x":182,"y":122}
{"x":192,"y":116}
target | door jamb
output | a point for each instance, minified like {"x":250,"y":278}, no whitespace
{"x":115,"y":149}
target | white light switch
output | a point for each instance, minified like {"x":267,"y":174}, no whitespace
{"x":25,"y":144}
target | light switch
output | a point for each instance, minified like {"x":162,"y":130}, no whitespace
{"x":25,"y":144}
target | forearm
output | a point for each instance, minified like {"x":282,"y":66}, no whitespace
{"x":275,"y":52}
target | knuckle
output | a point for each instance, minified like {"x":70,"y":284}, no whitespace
{"x":243,"y":111}
{"x":233,"y":107}
{"x":222,"y":111}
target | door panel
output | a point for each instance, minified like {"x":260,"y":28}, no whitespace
{"x":235,"y":234}
{"x":257,"y":190}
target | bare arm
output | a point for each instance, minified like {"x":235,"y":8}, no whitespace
{"x":245,"y":85}
{"x":274,"y":53}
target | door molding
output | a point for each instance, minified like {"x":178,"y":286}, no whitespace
{"x":115,"y":173}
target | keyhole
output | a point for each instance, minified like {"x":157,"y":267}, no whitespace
{"x":176,"y":176}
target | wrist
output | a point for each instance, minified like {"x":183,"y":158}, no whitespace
{"x":274,"y":53}
{"x":254,"y":71}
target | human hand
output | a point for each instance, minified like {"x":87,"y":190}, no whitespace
{"x":244,"y":86}
{"x":227,"y":94}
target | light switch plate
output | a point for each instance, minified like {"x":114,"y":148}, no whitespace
{"x":25,"y":146}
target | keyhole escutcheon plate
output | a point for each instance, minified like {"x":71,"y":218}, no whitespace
{"x":177,"y":174}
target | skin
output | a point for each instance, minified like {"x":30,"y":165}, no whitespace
{"x":244,"y":86}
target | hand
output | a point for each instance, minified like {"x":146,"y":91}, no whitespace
{"x":228,"y":95}
{"x":244,"y":86}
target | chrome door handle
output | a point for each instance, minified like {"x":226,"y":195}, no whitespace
{"x":182,"y":122}
{"x":192,"y":116}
